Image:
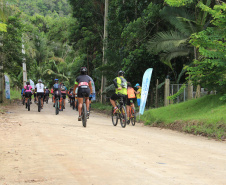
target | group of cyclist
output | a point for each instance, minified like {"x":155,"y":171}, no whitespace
{"x":83,"y":89}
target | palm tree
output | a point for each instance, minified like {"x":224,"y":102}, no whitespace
{"x":175,"y":42}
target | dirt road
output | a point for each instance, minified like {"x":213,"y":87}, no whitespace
{"x":42,"y":148}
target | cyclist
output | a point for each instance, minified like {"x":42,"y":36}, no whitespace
{"x":84,"y":85}
{"x":27,"y":92}
{"x":63,"y":93}
{"x":46,"y":96}
{"x":40,"y":89}
{"x":121,"y":88}
{"x":57,"y":92}
{"x":131,"y":97}
{"x":35,"y":94}
{"x":22,"y":94}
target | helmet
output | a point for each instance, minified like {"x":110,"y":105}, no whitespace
{"x":121,"y":73}
{"x":40,"y":80}
{"x":28,"y":83}
{"x":46,"y":87}
{"x":56,"y":79}
{"x":83,"y":70}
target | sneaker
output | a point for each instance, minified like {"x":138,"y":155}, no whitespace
{"x":80,"y":118}
{"x":128,"y":121}
{"x":115,"y":110}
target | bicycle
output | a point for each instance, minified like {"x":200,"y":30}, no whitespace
{"x":47,"y":99}
{"x":23,"y":101}
{"x":39,"y":104}
{"x":84,"y":111}
{"x":28,"y":104}
{"x":120,"y":114}
{"x":57,"y":103}
{"x":132,"y":114}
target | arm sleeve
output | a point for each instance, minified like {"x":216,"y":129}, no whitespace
{"x":115,"y":83}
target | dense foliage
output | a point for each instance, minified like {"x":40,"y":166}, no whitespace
{"x":60,"y":36}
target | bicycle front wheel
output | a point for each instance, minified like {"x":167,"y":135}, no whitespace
{"x":133,"y":116}
{"x":114,"y":117}
{"x":84,"y":115}
{"x":123,"y":117}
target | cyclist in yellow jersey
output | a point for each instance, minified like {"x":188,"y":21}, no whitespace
{"x":138,"y":94}
{"x":120,"y":88}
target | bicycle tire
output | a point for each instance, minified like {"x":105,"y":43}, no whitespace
{"x":62,"y":105}
{"x":84,"y":115}
{"x":47,"y":100}
{"x":56,"y":107}
{"x":133,"y":116}
{"x":39,"y":104}
{"x":28,"y":104}
{"x":123,"y":116}
{"x":73,"y":104}
{"x":23,"y":101}
{"x":114,"y":117}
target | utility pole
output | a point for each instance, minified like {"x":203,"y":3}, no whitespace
{"x":105,"y":43}
{"x":24,"y":67}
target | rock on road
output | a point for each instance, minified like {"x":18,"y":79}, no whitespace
{"x":48,"y":149}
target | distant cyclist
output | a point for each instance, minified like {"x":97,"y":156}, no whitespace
{"x":40,"y":91}
{"x":57,"y":92}
{"x":84,"y":85}
{"x":63,"y":93}
{"x":131,"y":97}
{"x":120,"y":88}
{"x":46,"y":94}
{"x":27,"y":92}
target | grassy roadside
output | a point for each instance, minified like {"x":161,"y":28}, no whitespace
{"x":204,"y":116}
{"x":103,"y":108}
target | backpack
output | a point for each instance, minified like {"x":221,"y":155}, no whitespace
{"x":27,"y":88}
{"x":123,"y":82}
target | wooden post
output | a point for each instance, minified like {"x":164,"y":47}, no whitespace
{"x":156,"y":94}
{"x":190,"y":90}
{"x":166,"y":92}
{"x":104,"y":79}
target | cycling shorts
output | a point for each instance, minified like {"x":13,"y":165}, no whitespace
{"x":116,"y":97}
{"x":57,"y":94}
{"x":82,"y":91}
{"x":28,"y":94}
{"x":130,"y":100}
{"x":41,"y":94}
{"x":63,"y":95}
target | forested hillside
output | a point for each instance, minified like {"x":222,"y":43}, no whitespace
{"x":183,"y":40}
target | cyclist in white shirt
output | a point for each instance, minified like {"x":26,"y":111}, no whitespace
{"x":40,"y":90}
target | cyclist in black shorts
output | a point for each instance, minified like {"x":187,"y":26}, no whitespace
{"x":63,"y":93}
{"x":84,"y":85}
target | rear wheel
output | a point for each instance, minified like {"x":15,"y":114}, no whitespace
{"x":56,"y":106}
{"x":114,"y":117}
{"x":39,"y":104}
{"x":133,"y":116}
{"x":123,"y":117}
{"x":28,"y":104}
{"x":84,"y":115}
{"x":23,"y":100}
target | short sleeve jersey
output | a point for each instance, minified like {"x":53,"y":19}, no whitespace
{"x":139,"y":95}
{"x":82,"y":78}
{"x":27,"y":88}
{"x":40,"y":88}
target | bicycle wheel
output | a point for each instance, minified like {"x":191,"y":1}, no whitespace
{"x":123,"y":116}
{"x":84,"y":115}
{"x":62,"y":105}
{"x":114,"y":117}
{"x":39,"y":104}
{"x":28,"y":104}
{"x":47,"y":99}
{"x":56,"y":106}
{"x":23,"y":100}
{"x":73,"y":104}
{"x":133,"y":116}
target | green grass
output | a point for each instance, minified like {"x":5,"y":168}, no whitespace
{"x":99,"y":106}
{"x":14,"y":94}
{"x":205,"y":116}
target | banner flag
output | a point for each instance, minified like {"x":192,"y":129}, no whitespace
{"x":7,"y":87}
{"x":32,"y":84}
{"x":94,"y":91}
{"x":145,"y":89}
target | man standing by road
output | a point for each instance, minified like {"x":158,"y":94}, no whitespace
{"x":138,"y":94}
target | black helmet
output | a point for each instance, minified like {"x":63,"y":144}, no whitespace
{"x":83,"y":70}
{"x":28,"y":83}
{"x":121,"y":73}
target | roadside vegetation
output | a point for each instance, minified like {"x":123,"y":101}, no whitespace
{"x":204,"y":116}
